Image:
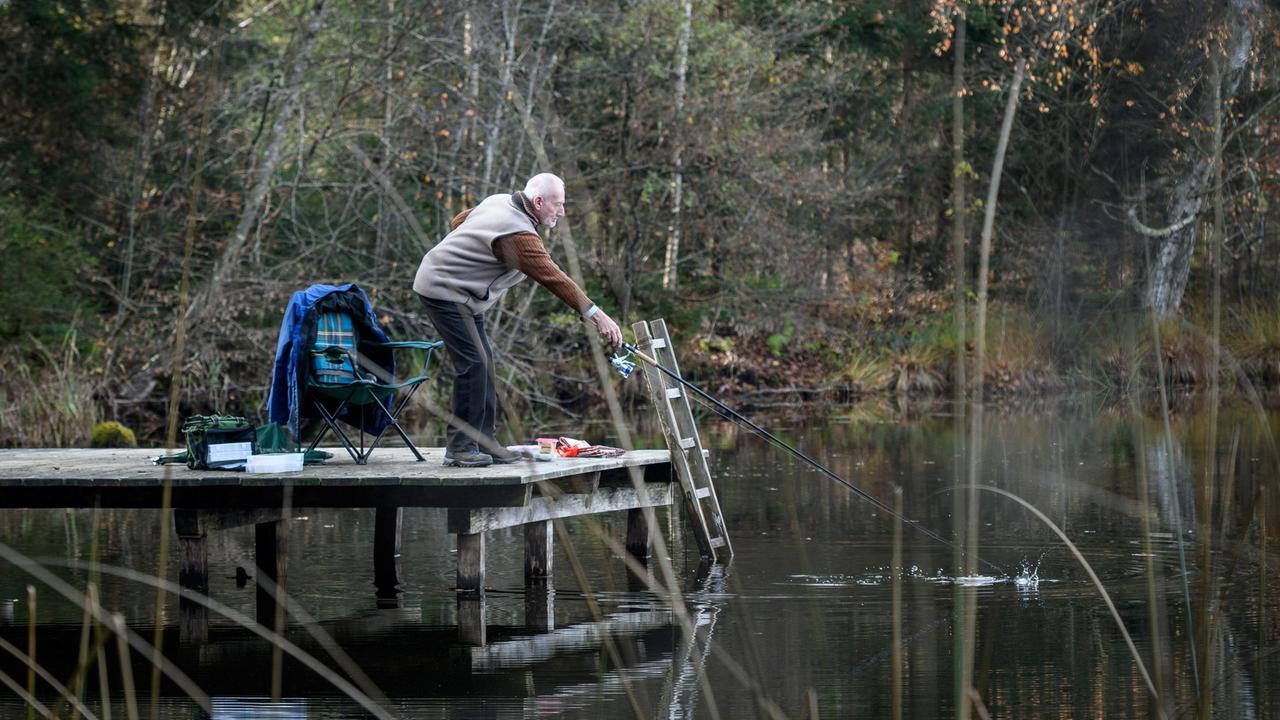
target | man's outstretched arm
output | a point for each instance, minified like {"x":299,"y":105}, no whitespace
{"x":526,"y":253}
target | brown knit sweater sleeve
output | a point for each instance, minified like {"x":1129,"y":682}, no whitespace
{"x":526,"y":253}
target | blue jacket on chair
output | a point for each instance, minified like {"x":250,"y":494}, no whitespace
{"x":293,"y":354}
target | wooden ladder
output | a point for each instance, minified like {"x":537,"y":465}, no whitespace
{"x":690,"y":460}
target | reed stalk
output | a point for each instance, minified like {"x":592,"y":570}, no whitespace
{"x":64,"y":693}
{"x":126,"y":666}
{"x":897,"y":605}
{"x":968,"y":635}
{"x":179,"y":350}
{"x":673,"y":597}
{"x":1210,"y":475}
{"x":1158,"y":356}
{"x":1093,"y":577}
{"x":979,"y":707}
{"x":1262,"y":590}
{"x":966,"y":595}
{"x":308,"y":623}
{"x":594,"y":608}
{"x":958,"y":205}
{"x":75,"y":683}
{"x":277,"y":656}
{"x":31,"y":646}
{"x":242,"y":620}
{"x":63,"y":588}
{"x":1227,"y":491}
{"x":34,"y":706}
{"x":100,"y":636}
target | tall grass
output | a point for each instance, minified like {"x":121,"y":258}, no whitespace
{"x":47,"y":400}
{"x":1253,"y":336}
{"x":1178,"y":353}
{"x":919,"y":358}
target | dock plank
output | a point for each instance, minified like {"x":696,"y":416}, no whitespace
{"x":127,"y":478}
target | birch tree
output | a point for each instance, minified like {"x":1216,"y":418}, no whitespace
{"x":1231,"y":37}
{"x":669,"y":269}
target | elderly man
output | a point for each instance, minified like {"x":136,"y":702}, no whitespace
{"x":492,"y":247}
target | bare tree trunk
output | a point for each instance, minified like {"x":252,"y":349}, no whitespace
{"x":292,"y":94}
{"x":988,"y":226}
{"x":138,"y":175}
{"x":1172,"y":264}
{"x":380,"y":249}
{"x":959,"y":174}
{"x":463,"y":139}
{"x":669,"y":270}
{"x":141,"y":160}
{"x":905,"y":203}
{"x":1057,"y":280}
{"x":510,"y":27}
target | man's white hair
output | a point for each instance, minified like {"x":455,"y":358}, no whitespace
{"x":542,"y":184}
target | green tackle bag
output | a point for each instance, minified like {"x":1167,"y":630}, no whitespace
{"x":216,"y":442}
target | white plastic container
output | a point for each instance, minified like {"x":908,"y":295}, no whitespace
{"x":274,"y":463}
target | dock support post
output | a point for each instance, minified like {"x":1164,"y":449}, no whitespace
{"x":540,"y":607}
{"x":193,"y":574}
{"x":193,"y":623}
{"x":638,"y":535}
{"x":386,"y":551}
{"x":471,"y":627}
{"x":471,"y":562}
{"x":193,"y":551}
{"x":271,"y":557}
{"x":539,"y":594}
{"x":539,"y":539}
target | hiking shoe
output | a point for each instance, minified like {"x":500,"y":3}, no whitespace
{"x":467,"y":459}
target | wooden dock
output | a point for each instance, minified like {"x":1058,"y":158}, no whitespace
{"x":528,"y":494}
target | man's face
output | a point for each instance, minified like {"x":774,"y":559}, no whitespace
{"x":550,"y":207}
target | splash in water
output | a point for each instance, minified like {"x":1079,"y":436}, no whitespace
{"x":1027,"y":581}
{"x":1028,"y":578}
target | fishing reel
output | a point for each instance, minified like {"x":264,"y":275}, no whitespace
{"x":624,"y":366}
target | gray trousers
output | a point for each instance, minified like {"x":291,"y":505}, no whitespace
{"x":475,"y":396}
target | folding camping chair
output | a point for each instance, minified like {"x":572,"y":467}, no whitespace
{"x":341,"y":374}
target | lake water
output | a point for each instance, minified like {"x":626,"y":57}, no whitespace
{"x":803,"y":619}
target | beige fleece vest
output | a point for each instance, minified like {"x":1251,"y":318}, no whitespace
{"x":462,"y":268}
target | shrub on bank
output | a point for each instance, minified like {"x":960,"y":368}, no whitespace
{"x":112,"y":434}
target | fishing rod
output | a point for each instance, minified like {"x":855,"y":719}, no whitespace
{"x":625,"y":367}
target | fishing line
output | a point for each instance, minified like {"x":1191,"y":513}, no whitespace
{"x":626,"y":367}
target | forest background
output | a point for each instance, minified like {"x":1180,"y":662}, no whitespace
{"x":805,"y":190}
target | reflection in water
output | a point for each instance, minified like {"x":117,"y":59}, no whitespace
{"x":689,"y":662}
{"x":802,"y":618}
{"x":415,"y":664}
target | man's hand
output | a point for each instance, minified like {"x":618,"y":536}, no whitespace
{"x":607,"y":327}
